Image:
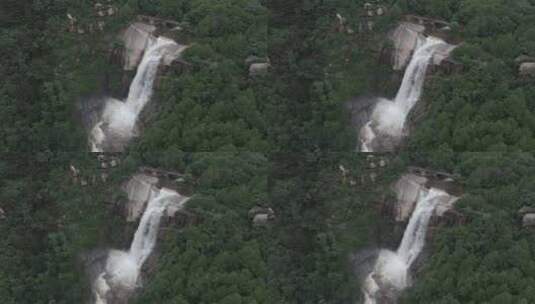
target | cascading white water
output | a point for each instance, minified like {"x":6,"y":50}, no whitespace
{"x":391,"y":271}
{"x":123,"y":267}
{"x":119,"y":118}
{"x":388,"y":117}
{"x":369,"y":135}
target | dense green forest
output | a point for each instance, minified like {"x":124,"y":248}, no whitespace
{"x":490,"y":258}
{"x":277,"y":140}
{"x":488,"y":107}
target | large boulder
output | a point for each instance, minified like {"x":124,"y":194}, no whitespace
{"x":259,"y":69}
{"x":527,"y":69}
{"x":528,"y":220}
{"x":261,"y":216}
{"x":261,"y":220}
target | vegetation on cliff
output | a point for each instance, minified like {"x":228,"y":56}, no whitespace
{"x":489,"y":106}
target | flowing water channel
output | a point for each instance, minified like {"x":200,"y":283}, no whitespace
{"x":391,"y":272}
{"x":389,"y":116}
{"x":117,"y":124}
{"x":122,"y":268}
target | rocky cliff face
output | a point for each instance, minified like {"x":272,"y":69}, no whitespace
{"x":139,"y":189}
{"x":411,"y":186}
{"x":116,"y":274}
{"x":408,"y":188}
{"x":136,"y":38}
{"x":406,"y":38}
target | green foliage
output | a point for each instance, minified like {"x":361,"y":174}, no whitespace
{"x":486,"y":107}
{"x":221,"y":259}
{"x":276,"y":140}
{"x":488,"y":259}
{"x":50,"y":221}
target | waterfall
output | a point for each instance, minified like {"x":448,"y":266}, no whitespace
{"x":367,"y":132}
{"x":414,"y":237}
{"x":389,"y":116}
{"x":391,"y":271}
{"x":145,"y":237}
{"x":122,"y":268}
{"x":118,"y":120}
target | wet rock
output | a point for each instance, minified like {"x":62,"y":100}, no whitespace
{"x":364,"y":261}
{"x":172,"y":210}
{"x":173,"y":53}
{"x":444,"y":205}
{"x":2,"y":214}
{"x":442,"y":53}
